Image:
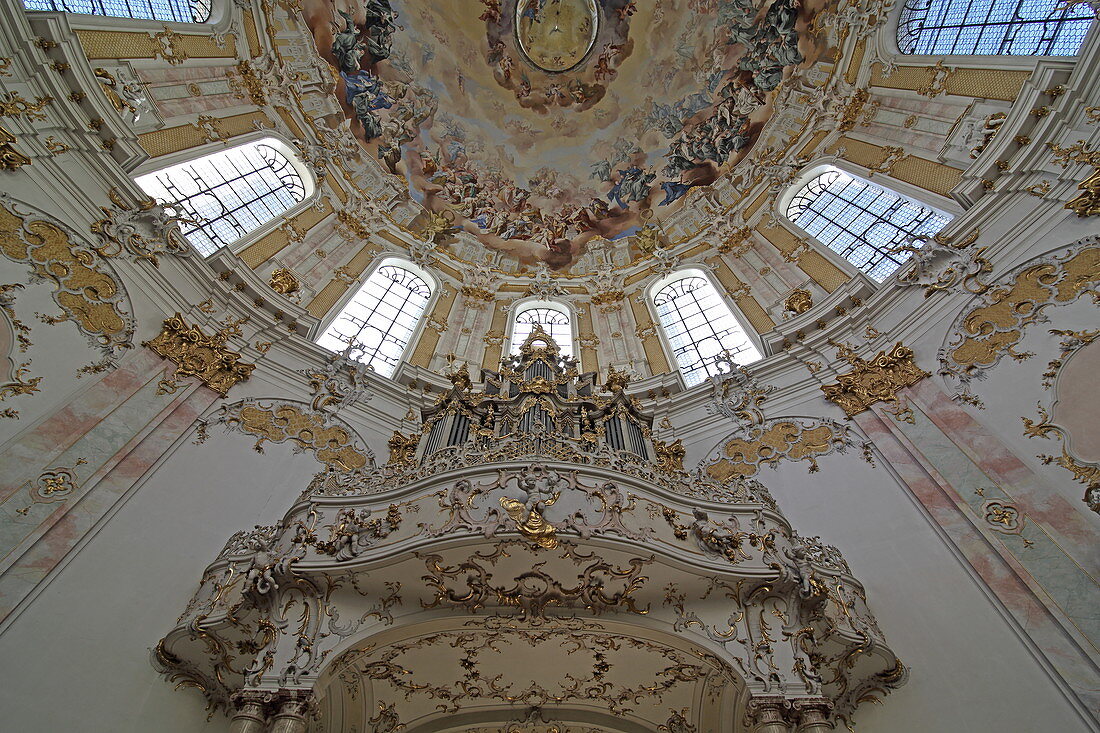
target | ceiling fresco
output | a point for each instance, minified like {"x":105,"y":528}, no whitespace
{"x":539,"y":125}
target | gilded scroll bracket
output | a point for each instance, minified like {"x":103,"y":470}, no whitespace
{"x":196,"y":354}
{"x":878,"y":379}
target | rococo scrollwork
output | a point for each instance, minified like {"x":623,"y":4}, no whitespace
{"x":519,"y":520}
{"x":196,"y":354}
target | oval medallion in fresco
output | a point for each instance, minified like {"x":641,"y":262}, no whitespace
{"x":556,"y":35}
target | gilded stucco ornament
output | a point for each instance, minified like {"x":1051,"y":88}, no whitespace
{"x":736,"y":393}
{"x":84,"y":285}
{"x":941,"y":264}
{"x":530,"y":523}
{"x":1046,"y":427}
{"x":197,"y":355}
{"x":799,"y":301}
{"x":1087,"y":203}
{"x":403,"y":448}
{"x":876,"y":380}
{"x":599,"y":586}
{"x":994,"y":323}
{"x":284,"y":281}
{"x":144,"y":231}
{"x":670,"y":456}
{"x":53,"y":485}
{"x":753,"y":446}
{"x":10,"y":157}
{"x":309,"y":428}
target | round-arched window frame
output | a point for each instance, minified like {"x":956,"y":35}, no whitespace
{"x":227,"y":194}
{"x":699,"y":326}
{"x":162,"y":11}
{"x":555,"y":319}
{"x":377,"y":324}
{"x":865,"y":223}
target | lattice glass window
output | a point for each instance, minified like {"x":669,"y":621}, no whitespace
{"x":223,"y":196}
{"x":379,"y":321}
{"x":993,"y":27}
{"x":554,"y":320}
{"x":700,"y":326}
{"x":177,"y":11}
{"x":860,"y":221}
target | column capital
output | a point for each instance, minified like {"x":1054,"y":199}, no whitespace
{"x":768,"y":710}
{"x":813,"y":713}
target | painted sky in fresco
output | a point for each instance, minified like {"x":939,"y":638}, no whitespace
{"x":670,"y":94}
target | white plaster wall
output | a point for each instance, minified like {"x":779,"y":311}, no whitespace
{"x":969,"y":671}
{"x":77,"y":658}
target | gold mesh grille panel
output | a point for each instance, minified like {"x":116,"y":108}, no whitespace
{"x":981,"y":83}
{"x":131,"y":45}
{"x":429,"y":337}
{"x":987,"y":83}
{"x":823,"y":272}
{"x":590,"y":360}
{"x":651,"y":344}
{"x":251,"y":35}
{"x":271,"y":244}
{"x":758,"y":317}
{"x":182,"y":137}
{"x":927,"y":174}
{"x":323,"y":302}
{"x":493,"y":352}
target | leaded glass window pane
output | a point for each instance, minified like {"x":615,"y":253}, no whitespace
{"x":555,"y":322}
{"x":176,"y":11}
{"x":861,"y":221}
{"x":700,"y":326}
{"x":993,"y":27}
{"x":375,"y":327}
{"x":223,"y":196}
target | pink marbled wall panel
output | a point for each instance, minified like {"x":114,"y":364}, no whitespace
{"x":24,"y":457}
{"x":70,"y":522}
{"x":997,"y":569}
{"x":1065,"y":521}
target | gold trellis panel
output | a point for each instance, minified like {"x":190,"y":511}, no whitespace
{"x":434,"y":327}
{"x":981,"y":83}
{"x":269,"y":245}
{"x":647,"y":332}
{"x":182,"y":137}
{"x":739,"y":291}
{"x":818,"y":267}
{"x":323,"y":302}
{"x":105,"y":44}
{"x":494,"y":339}
{"x":921,"y":172}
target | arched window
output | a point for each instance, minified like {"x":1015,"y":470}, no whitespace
{"x":700,"y":326}
{"x":553,"y":318}
{"x":173,"y":11}
{"x":379,"y":321}
{"x":223,"y":196}
{"x":993,"y":27}
{"x":860,"y":221}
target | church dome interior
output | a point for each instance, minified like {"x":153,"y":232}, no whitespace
{"x":549,"y":366}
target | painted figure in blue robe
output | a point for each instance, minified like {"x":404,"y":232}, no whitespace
{"x":533,"y":9}
{"x":633,"y":185}
{"x":673,"y":190}
{"x":365,"y":83}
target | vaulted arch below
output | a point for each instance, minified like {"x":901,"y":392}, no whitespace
{"x":488,"y":672}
